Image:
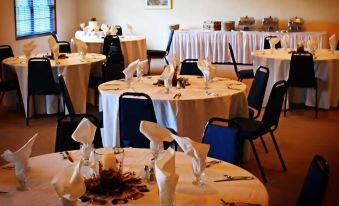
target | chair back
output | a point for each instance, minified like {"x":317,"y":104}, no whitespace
{"x":190,"y":67}
{"x":119,"y":32}
{"x":66,"y":97}
{"x":64,"y":47}
{"x":40,"y":77}
{"x":112,"y":71}
{"x":5,"y":52}
{"x":267,"y":43}
{"x":301,"y":72}
{"x":271,"y":116}
{"x":257,"y":92}
{"x":169,"y":43}
{"x":65,"y":128}
{"x":225,"y":143}
{"x":54,"y":36}
{"x":315,"y":183}
{"x":111,"y":45}
{"x":233,"y":59}
{"x":133,"y":108}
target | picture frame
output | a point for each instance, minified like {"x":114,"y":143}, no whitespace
{"x":158,"y":4}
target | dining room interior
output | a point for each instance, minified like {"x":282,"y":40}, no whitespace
{"x":169,"y":102}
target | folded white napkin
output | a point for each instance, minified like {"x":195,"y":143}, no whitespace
{"x":113,"y":30}
{"x":130,"y":70}
{"x":20,"y":161}
{"x":85,"y":133}
{"x":198,"y":151}
{"x":28,"y":49}
{"x":312,"y":44}
{"x":81,"y":46}
{"x":141,"y":68}
{"x":69,"y":184}
{"x":273,"y":41}
{"x":155,"y":133}
{"x":205,"y":66}
{"x":168,"y":73}
{"x":129,"y":28}
{"x":175,"y":61}
{"x":104,"y":28}
{"x":332,"y":42}
{"x":286,"y":40}
{"x":166,"y":177}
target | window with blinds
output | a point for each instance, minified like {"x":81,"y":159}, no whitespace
{"x":34,"y":17}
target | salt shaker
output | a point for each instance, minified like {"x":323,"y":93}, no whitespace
{"x":151,"y":179}
{"x":146,"y":174}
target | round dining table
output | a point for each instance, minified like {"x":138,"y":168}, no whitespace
{"x":250,"y":191}
{"x":186,"y":113}
{"x":326,"y":66}
{"x":133,"y":46}
{"x":76,"y":71}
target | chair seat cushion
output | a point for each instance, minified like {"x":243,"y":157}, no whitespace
{"x":156,"y":53}
{"x":246,"y":74}
{"x":249,"y":128}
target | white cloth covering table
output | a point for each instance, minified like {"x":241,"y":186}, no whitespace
{"x":42,"y":171}
{"x":326,"y":65}
{"x":133,"y":47}
{"x":195,"y":44}
{"x":76,"y":74}
{"x":187,"y":115}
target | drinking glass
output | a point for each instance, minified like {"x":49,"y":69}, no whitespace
{"x":128,"y":82}
{"x":140,"y":72}
{"x":85,"y":152}
{"x":120,"y":155}
{"x":198,"y":171}
{"x":206,"y":80}
{"x":167,"y":86}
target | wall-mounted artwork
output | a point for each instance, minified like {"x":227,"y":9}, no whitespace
{"x":158,"y":4}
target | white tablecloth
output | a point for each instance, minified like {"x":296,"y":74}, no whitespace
{"x":214,"y":44}
{"x":326,"y":65}
{"x":187,"y":115}
{"x":42,"y":194}
{"x":76,"y":74}
{"x":133,"y":47}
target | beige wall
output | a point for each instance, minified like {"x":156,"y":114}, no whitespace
{"x":319,"y":15}
{"x":66,"y":25}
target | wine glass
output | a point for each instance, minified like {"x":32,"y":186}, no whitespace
{"x":206,"y":78}
{"x":140,"y":72}
{"x":156,"y":149}
{"x":198,"y":171}
{"x":167,"y":86}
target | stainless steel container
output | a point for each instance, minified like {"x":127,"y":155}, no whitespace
{"x":270,"y":24}
{"x":295,"y":24}
{"x":246,"y":23}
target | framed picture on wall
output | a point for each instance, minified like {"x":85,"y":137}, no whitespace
{"x":158,"y":4}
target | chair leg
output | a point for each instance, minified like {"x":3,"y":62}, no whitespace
{"x":264,"y":144}
{"x":34,"y":108}
{"x":285,"y":106}
{"x":96,"y":97}
{"x":149,"y":65}
{"x":278,"y":151}
{"x":166,"y":60}
{"x":21,"y":102}
{"x":316,"y":102}
{"x":27,"y":113}
{"x":258,"y":162}
{"x":2,"y":96}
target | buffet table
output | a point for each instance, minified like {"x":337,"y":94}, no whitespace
{"x":194,"y":44}
{"x":133,"y":47}
{"x":76,"y":74}
{"x":326,"y":65}
{"x":187,"y":114}
{"x":42,"y":172}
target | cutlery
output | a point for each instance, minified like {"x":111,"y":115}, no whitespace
{"x":68,"y":155}
{"x":213,"y":162}
{"x":177,"y":95}
{"x":229,"y":178}
{"x":232,"y":88}
{"x":8,"y":167}
{"x":238,"y":203}
{"x":3,"y":192}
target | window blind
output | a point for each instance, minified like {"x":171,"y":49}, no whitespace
{"x":34,"y":17}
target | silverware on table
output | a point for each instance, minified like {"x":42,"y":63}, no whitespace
{"x":238,"y":203}
{"x":229,"y":178}
{"x":177,"y":95}
{"x":232,"y":88}
{"x":68,"y":155}
{"x":213,"y":162}
{"x":3,"y":192}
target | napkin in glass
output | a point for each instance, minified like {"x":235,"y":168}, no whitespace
{"x":285,"y":39}
{"x":104,"y":28}
{"x":332,"y":42}
{"x":312,"y":44}
{"x":130,"y":70}
{"x":81,"y":46}
{"x":168,"y":73}
{"x":69,"y":184}
{"x":175,"y":61}
{"x":85,"y":133}
{"x":129,"y":28}
{"x":166,"y":177}
{"x":155,"y":133}
{"x":141,"y":68}
{"x":20,"y":161}
{"x":198,"y":151}
{"x":273,"y":41}
{"x":205,"y":66}
{"x":28,"y":48}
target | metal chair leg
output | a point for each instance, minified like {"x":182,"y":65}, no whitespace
{"x":27,"y":113}
{"x":278,"y":151}
{"x":285,"y":106}
{"x":258,"y":162}
{"x":166,"y":60}
{"x":149,"y":65}
{"x":264,"y":144}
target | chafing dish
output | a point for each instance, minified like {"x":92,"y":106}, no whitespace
{"x":295,"y":24}
{"x":229,"y":25}
{"x":246,"y":23}
{"x":212,"y":25}
{"x":270,"y":24}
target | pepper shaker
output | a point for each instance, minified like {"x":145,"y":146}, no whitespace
{"x":152,"y":179}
